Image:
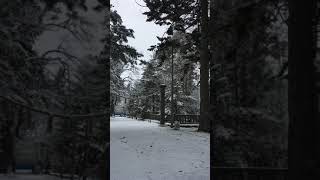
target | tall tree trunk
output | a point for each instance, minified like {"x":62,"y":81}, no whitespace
{"x":303,"y":126}
{"x":104,"y":163}
{"x":212,"y":92}
{"x":204,"y":69}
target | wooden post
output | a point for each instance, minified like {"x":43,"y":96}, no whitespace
{"x":153,"y":106}
{"x":172,"y":87}
{"x":162,"y":105}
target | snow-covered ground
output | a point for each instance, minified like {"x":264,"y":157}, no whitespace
{"x":141,"y":150}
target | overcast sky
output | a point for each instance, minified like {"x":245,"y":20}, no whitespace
{"x":145,"y":32}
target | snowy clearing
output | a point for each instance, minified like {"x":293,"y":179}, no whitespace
{"x":141,"y":150}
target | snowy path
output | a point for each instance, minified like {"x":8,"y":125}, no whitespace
{"x":142,"y":150}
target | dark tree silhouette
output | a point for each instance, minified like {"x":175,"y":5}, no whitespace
{"x":204,"y":124}
{"x":303,"y":126}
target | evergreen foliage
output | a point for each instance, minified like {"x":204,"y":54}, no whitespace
{"x":247,"y":48}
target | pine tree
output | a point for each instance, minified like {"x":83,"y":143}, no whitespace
{"x":242,"y":48}
{"x":89,"y":137}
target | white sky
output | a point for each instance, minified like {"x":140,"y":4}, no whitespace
{"x":145,"y":32}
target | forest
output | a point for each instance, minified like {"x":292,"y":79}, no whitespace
{"x":53,"y":103}
{"x":235,"y":57}
{"x":246,"y":71}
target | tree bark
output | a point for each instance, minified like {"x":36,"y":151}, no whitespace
{"x":204,"y":124}
{"x":303,"y":126}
